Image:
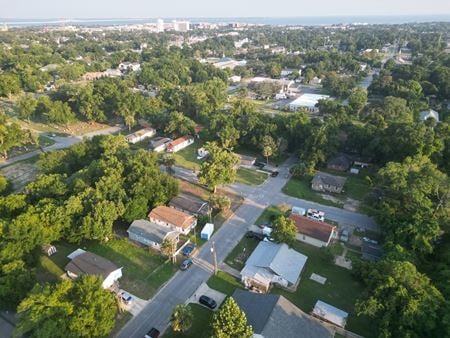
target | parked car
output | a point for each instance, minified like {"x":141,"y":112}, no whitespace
{"x":260,"y":165}
{"x":187,"y":250}
{"x":274,"y":173}
{"x":316,"y":214}
{"x":255,"y":235}
{"x":208,"y":302}
{"x":153,"y":333}
{"x":186,"y":264}
{"x":125,"y":298}
{"x":344,"y":235}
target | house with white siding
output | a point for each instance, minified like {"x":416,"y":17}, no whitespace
{"x":151,"y":234}
{"x":313,"y":232}
{"x":140,"y":135}
{"x":174,"y":219}
{"x":179,"y":143}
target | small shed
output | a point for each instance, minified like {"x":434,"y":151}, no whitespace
{"x":298,"y":211}
{"x":207,"y":231}
{"x":330,"y":314}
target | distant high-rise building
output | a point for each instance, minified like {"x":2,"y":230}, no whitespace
{"x":160,"y":25}
{"x":4,"y":28}
{"x":180,"y":26}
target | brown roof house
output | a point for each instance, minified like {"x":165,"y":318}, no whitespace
{"x":313,"y":232}
{"x":339,"y":162}
{"x":84,"y":262}
{"x":190,"y":204}
{"x":328,"y":183}
{"x":172,"y":218}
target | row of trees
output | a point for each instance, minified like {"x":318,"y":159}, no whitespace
{"x":83,"y":190}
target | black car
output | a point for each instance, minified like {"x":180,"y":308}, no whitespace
{"x":260,"y":165}
{"x":274,"y":173}
{"x":208,"y":302}
{"x":153,"y":333}
{"x":186,"y":264}
{"x":255,"y":235}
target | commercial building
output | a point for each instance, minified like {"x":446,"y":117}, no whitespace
{"x":308,"y":102}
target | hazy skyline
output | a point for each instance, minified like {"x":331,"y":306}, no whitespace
{"x":42,"y":9}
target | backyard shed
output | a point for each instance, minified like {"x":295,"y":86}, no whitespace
{"x":330,"y":313}
{"x":207,"y":231}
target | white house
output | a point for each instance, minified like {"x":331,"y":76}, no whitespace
{"x":308,"y":102}
{"x":83,"y":262}
{"x":313,"y":232}
{"x":235,"y":79}
{"x":174,"y":219}
{"x":429,"y":114}
{"x":271,"y":264}
{"x":140,"y":135}
{"x":159,"y":144}
{"x":129,"y":66}
{"x":151,"y":234}
{"x":179,"y":143}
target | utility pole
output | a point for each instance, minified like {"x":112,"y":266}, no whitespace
{"x":213,"y":251}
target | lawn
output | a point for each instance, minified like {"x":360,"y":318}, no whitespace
{"x":47,"y":270}
{"x":143,"y":270}
{"x":250,"y":177}
{"x":301,"y":188}
{"x":238,"y":256}
{"x":187,"y":157}
{"x":269,"y":215}
{"x":341,"y":289}
{"x":224,"y":283}
{"x":200,"y":326}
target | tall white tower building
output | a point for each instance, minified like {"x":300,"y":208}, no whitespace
{"x":160,"y":25}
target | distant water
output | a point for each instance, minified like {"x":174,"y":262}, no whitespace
{"x":274,"y":21}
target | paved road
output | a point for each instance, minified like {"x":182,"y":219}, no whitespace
{"x":183,"y":284}
{"x":61,"y":143}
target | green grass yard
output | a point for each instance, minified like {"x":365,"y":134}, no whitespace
{"x":250,"y":177}
{"x":224,"y":283}
{"x":200,"y":326}
{"x":143,"y":270}
{"x":187,"y":157}
{"x":301,"y":188}
{"x":268,"y":215}
{"x":240,"y":253}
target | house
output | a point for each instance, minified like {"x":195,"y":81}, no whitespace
{"x":179,"y":143}
{"x":113,"y":72}
{"x":371,"y":251}
{"x":429,"y":114}
{"x":274,"y":316}
{"x":246,"y":161}
{"x":172,"y":218}
{"x":224,"y":63}
{"x":129,"y":67}
{"x":151,"y":234}
{"x":308,"y":102}
{"x":159,"y":144}
{"x":330,"y":314}
{"x":270,"y":264}
{"x":313,"y":232}
{"x":190,"y":204}
{"x":328,"y":183}
{"x":49,"y":67}
{"x":84,"y":262}
{"x":235,"y":79}
{"x":140,"y":135}
{"x":339,"y":162}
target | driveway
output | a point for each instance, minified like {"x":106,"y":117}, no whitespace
{"x":136,"y":306}
{"x":204,"y":289}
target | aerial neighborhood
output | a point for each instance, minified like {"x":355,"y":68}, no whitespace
{"x":269,"y":178}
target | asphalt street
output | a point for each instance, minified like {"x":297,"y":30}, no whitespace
{"x":184,"y":283}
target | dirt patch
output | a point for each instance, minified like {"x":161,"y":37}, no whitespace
{"x":331,"y":198}
{"x":20,"y":174}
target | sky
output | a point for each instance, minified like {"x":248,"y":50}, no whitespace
{"x":66,"y":9}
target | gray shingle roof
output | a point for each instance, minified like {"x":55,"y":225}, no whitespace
{"x":149,"y":230}
{"x":190,"y":203}
{"x":277,"y":258}
{"x":335,"y":181}
{"x":274,"y":316}
{"x":91,"y":264}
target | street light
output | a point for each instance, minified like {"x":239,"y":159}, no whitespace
{"x":213,"y":252}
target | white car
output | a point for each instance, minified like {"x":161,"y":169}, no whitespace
{"x":316,"y":214}
{"x":125,"y":297}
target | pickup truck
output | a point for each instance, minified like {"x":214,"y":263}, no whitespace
{"x":315,"y":214}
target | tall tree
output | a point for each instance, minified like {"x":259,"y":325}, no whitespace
{"x":284,"y":230}
{"x":79,"y":308}
{"x":219,"y":168}
{"x":26,"y":106}
{"x":182,"y":317}
{"x":231,"y":322}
